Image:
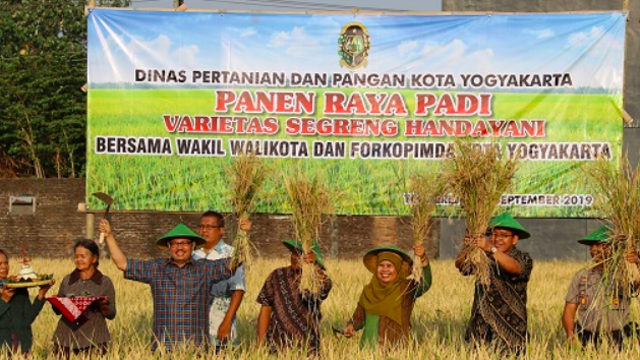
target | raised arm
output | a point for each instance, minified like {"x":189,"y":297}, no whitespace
{"x":325,"y":283}
{"x":117,"y":255}
{"x":506,"y":262}
{"x":425,"y":283}
{"x":633,"y":258}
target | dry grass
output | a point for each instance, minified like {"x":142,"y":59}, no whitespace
{"x":425,"y":187}
{"x":617,"y":191}
{"x":246,"y":174}
{"x":439,"y":317}
{"x":477,"y":175}
{"x":310,"y":202}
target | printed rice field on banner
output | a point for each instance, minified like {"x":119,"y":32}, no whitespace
{"x":364,"y":102}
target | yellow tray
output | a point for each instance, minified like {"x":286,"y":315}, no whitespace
{"x":28,"y":284}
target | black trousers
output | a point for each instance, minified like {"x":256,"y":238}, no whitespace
{"x":616,"y":336}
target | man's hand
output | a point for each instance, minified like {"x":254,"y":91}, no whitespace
{"x":7,"y":294}
{"x":224,"y":330}
{"x":482,"y":242}
{"x":244,"y":225}
{"x":632,"y":256}
{"x":349,"y":331}
{"x":105,"y":228}
{"x":117,"y":255}
{"x":309,"y":257}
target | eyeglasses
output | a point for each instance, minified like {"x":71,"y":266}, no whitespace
{"x":179,"y":244}
{"x":501,"y":235}
{"x":209,"y":227}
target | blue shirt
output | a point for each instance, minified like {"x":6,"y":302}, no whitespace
{"x":181,"y":296}
{"x":221,"y":291}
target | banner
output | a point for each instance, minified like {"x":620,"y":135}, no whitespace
{"x":361,"y":100}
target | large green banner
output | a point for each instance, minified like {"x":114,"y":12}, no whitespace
{"x":361,"y":100}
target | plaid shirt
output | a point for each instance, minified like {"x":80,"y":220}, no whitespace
{"x":180,"y":297}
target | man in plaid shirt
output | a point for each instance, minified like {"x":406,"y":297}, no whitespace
{"x":180,"y":286}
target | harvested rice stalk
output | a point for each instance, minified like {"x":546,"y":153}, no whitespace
{"x":617,"y":196}
{"x":309,"y":200}
{"x":425,"y":188}
{"x":477,"y":175}
{"x":246,"y":174}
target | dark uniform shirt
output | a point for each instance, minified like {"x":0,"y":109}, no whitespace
{"x":16,"y":317}
{"x":598,"y":310}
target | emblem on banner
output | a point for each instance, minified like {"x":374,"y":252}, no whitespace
{"x":353,"y":45}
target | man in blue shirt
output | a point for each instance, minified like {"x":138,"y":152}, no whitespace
{"x":227,"y":295}
{"x":180,"y":285}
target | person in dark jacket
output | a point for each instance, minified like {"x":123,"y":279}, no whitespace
{"x":17,"y":312}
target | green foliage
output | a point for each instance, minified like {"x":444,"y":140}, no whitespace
{"x":43,"y":63}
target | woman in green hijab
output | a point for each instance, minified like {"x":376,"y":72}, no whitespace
{"x":385,"y":305}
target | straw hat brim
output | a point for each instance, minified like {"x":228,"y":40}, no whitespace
{"x":180,"y":231}
{"x":370,"y":260}
{"x":506,"y":221}
{"x":163,"y":243}
{"x":601,"y":235}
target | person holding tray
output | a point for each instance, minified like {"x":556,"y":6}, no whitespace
{"x":90,"y":294}
{"x":17,"y":312}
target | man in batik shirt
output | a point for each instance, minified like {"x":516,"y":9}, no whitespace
{"x":499,"y":312}
{"x":289,"y":318}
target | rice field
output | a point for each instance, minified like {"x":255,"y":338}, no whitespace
{"x":366,"y":187}
{"x":439,"y":318}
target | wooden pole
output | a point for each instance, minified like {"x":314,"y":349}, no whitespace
{"x":89,"y":226}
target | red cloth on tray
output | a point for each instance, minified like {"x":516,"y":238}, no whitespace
{"x":74,"y":308}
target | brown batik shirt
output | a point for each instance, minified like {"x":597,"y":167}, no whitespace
{"x":295,"y":319}
{"x":499,"y":312}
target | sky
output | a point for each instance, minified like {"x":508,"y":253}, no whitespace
{"x":589,"y":46}
{"x":298,"y":5}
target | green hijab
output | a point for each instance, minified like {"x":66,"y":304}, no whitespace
{"x":385,"y":300}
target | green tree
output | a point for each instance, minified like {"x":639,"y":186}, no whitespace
{"x":43,"y":65}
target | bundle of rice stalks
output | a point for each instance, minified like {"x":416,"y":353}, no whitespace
{"x":425,"y":189}
{"x":246,"y":174}
{"x":309,"y":200}
{"x":477,"y":175}
{"x":617,"y":196}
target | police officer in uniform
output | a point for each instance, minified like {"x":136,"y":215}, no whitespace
{"x":600,"y":312}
